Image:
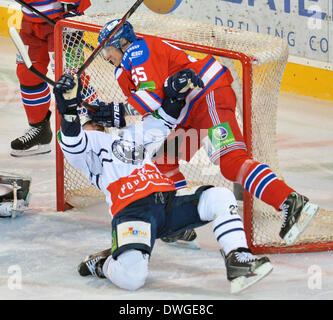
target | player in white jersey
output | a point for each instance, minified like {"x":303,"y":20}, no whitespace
{"x":143,"y":202}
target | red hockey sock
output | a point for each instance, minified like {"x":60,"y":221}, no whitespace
{"x":260,"y":181}
{"x":36,"y":101}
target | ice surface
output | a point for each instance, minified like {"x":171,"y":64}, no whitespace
{"x":46,"y":246}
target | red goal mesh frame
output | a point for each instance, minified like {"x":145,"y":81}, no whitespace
{"x":247,"y":62}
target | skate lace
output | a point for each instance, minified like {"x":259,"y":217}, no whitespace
{"x":244,"y":256}
{"x":284,"y":209}
{"x":91,"y":264}
{"x":29,"y":134}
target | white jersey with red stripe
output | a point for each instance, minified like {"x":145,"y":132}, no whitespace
{"x":120,"y":165}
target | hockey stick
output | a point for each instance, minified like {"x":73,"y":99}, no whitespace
{"x":27,"y":61}
{"x":108,"y":37}
{"x":48,"y":20}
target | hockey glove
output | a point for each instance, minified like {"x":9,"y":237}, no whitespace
{"x":109,"y":115}
{"x":180,"y":84}
{"x":67,"y":92}
{"x":172,"y":107}
{"x":69,"y":9}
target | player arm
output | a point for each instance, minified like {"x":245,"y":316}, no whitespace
{"x":73,"y":141}
{"x":75,"y":148}
{"x":156,"y":126}
{"x":180,"y":84}
{"x":143,"y":100}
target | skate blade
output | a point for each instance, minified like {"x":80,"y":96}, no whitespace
{"x":308,"y":213}
{"x":194,"y":245}
{"x":40,"y":149}
{"x":241,"y":283}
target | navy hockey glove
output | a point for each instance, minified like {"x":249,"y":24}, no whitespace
{"x":67,"y":92}
{"x":109,"y":115}
{"x":70,"y":10}
{"x":180,"y":84}
{"x":173,"y":107}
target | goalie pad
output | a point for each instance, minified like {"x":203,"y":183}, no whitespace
{"x":14,"y":195}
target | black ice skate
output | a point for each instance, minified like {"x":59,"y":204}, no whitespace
{"x":244,"y":270}
{"x":36,"y":140}
{"x":298,"y":213}
{"x":93,"y":264}
{"x":184,"y":239}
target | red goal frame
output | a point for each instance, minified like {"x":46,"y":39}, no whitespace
{"x":246,"y":63}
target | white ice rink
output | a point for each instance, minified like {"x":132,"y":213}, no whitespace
{"x":46,"y":246}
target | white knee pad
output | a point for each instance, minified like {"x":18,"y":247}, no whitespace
{"x":216,"y":201}
{"x":129,"y":271}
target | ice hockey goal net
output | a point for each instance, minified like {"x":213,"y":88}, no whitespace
{"x":257,"y":63}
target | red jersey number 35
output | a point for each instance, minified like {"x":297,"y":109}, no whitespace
{"x":139,"y":75}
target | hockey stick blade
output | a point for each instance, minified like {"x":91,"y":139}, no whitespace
{"x":27,"y":61}
{"x":110,"y":35}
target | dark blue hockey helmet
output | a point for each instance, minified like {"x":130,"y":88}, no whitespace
{"x":126,"y":32}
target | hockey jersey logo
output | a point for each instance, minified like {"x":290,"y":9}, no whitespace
{"x":139,"y":184}
{"x":128,"y":151}
{"x":137,"y":54}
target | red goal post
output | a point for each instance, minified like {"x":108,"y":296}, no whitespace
{"x":257,"y":63}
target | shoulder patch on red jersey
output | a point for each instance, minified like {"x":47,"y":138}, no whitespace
{"x":135,"y":55}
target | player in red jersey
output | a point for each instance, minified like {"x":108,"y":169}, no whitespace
{"x":37,"y":35}
{"x":149,"y":69}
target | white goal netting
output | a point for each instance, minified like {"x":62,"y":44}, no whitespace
{"x":257,"y":64}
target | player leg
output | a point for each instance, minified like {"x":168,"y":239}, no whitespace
{"x":219,"y":205}
{"x":243,"y":269}
{"x":128,"y":271}
{"x":36,"y":96}
{"x":167,"y":160}
{"x":161,"y":214}
{"x":134,"y":231}
{"x":228,"y":150}
{"x":168,"y":156}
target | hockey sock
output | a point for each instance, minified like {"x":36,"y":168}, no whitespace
{"x":36,"y":101}
{"x":219,"y":205}
{"x":229,"y":232}
{"x":259,"y":180}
